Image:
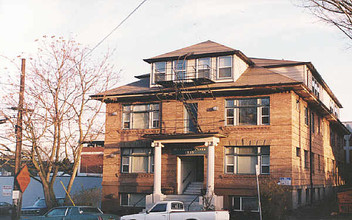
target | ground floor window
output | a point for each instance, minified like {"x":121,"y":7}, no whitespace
{"x":137,"y":160}
{"x":242,"y":203}
{"x":243,"y":160}
{"x":133,"y":200}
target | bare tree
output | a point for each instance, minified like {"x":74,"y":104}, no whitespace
{"x":336,"y":12}
{"x":60,"y":115}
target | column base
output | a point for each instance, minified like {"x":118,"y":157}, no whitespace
{"x":212,"y":202}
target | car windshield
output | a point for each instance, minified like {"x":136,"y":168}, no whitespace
{"x":40,"y":203}
{"x":90,"y":210}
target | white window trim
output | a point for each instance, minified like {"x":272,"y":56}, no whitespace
{"x":235,"y":161}
{"x":128,"y":200}
{"x":175,"y":71}
{"x":218,"y":78}
{"x":150,"y":162}
{"x":150,"y":117}
{"x":154,"y":71}
{"x":210,"y":67}
{"x":236,"y":113}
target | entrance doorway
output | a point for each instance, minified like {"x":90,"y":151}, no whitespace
{"x":190,"y":169}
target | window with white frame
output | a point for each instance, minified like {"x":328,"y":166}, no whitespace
{"x":180,"y":69}
{"x":204,"y":67}
{"x":315,"y":87}
{"x":132,"y":199}
{"x":243,"y":160}
{"x":244,"y":203}
{"x":137,"y":160}
{"x":140,"y":116}
{"x":252,"y":111}
{"x":224,"y":67}
{"x":159,"y":71}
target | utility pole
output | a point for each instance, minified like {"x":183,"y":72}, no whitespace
{"x":17,"y":194}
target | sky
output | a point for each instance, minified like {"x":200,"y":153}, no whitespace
{"x":278,"y":29}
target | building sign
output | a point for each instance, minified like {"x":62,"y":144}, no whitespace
{"x":189,"y":150}
{"x":6,"y":190}
{"x":286,"y":181}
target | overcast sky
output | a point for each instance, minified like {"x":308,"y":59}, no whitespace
{"x":259,"y":28}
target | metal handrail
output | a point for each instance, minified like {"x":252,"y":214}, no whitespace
{"x":188,"y":175}
{"x":200,"y":194}
{"x":138,"y":202}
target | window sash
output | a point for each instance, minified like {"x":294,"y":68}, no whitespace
{"x":141,"y":116}
{"x":204,"y":67}
{"x":243,"y":160}
{"x":224,"y":67}
{"x":253,"y":111}
{"x":180,"y":69}
{"x":137,"y":160}
{"x":130,"y":199}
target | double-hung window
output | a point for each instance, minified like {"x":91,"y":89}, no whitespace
{"x":204,"y":68}
{"x":159,"y":71}
{"x":137,"y":160}
{"x":141,"y":116}
{"x":224,"y":67}
{"x":243,"y":160}
{"x":315,"y":87}
{"x":252,"y":111}
{"x":180,"y":69}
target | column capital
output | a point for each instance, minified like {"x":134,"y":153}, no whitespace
{"x":213,"y":142}
{"x":156,"y":144}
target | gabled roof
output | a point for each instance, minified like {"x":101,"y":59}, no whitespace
{"x":206,"y":48}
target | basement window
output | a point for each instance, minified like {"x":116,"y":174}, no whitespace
{"x":243,"y":203}
{"x":134,"y":200}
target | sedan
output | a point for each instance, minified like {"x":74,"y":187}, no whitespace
{"x":75,"y":213}
{"x":5,"y":208}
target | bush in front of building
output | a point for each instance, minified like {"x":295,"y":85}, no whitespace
{"x":275,"y":199}
{"x":87,"y":197}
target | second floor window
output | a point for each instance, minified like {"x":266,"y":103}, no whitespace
{"x":315,"y":87}
{"x":180,"y":69}
{"x":137,"y":160}
{"x":225,"y":67}
{"x":253,"y":111}
{"x":140,"y":116}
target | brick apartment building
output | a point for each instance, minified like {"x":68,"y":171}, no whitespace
{"x":205,"y":116}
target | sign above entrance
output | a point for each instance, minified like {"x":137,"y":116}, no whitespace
{"x":189,"y":150}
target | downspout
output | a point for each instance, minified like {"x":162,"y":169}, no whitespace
{"x":310,"y":157}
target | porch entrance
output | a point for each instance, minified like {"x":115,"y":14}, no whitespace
{"x":190,"y":172}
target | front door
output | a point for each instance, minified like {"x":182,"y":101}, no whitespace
{"x":191,"y":170}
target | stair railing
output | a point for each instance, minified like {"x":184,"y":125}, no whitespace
{"x":197,"y":196}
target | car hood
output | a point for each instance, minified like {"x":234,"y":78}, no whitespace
{"x":132,"y":216}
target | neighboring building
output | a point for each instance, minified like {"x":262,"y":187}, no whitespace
{"x":347,"y":146}
{"x":206,"y":116}
{"x":91,"y":163}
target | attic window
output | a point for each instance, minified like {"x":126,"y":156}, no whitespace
{"x":225,"y":67}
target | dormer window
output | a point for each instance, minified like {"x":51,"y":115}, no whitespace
{"x":204,"y":67}
{"x":315,"y":87}
{"x":180,"y":69}
{"x":225,"y":67}
{"x":159,"y":71}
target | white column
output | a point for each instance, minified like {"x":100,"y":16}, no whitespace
{"x":211,"y":165}
{"x":157,"y":168}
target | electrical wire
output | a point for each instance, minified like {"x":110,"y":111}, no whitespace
{"x":108,"y":35}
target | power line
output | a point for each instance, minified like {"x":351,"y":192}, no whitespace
{"x":108,"y":35}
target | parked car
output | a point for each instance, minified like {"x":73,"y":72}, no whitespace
{"x":5,"y":208}
{"x":74,"y":213}
{"x":39,"y":207}
{"x":174,"y":210}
